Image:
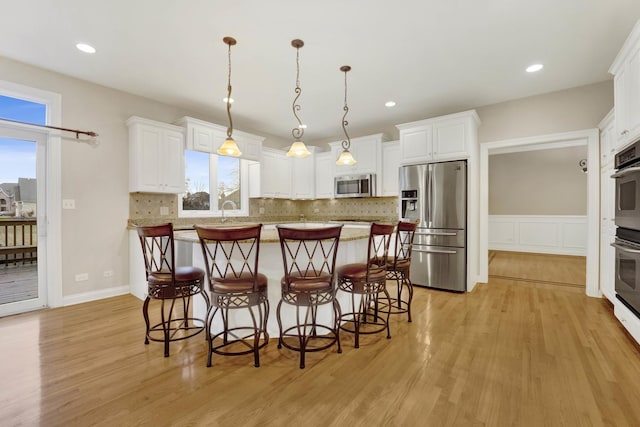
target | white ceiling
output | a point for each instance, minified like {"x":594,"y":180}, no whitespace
{"x":430,"y":56}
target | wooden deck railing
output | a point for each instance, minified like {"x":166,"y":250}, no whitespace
{"x":18,"y":241}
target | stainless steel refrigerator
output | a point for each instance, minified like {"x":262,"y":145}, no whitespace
{"x":436,"y":195}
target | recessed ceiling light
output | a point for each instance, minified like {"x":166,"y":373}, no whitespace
{"x":535,"y":67}
{"x":225,"y":100}
{"x":86,"y":48}
{"x":390,"y":104}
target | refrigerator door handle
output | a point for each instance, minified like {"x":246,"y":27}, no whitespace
{"x":436,"y":233}
{"x":435,"y":251}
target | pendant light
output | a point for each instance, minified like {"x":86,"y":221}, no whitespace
{"x":345,"y":157}
{"x":229,"y":146}
{"x":298,"y":149}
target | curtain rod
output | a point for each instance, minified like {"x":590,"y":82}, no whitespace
{"x":76,"y":131}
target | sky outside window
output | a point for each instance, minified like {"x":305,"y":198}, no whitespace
{"x":18,"y":158}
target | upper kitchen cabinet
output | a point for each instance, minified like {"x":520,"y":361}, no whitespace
{"x":390,"y":168}
{"x":441,"y":138}
{"x":156,"y":157}
{"x":275,"y":174}
{"x":324,"y":163}
{"x":367,"y":150}
{"x":626,"y":71}
{"x":304,"y":176}
{"x":207,"y":137}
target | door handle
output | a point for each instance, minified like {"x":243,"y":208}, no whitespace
{"x":625,"y":172}
{"x":437,"y":251}
{"x":625,"y":248}
{"x":437,"y":233}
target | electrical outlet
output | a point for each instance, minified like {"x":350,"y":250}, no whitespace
{"x":261,"y":210}
{"x":316,"y":210}
{"x":68,"y":204}
{"x":108,"y":273}
{"x":164,"y":210}
{"x":82,"y":277}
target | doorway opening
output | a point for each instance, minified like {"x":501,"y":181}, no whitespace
{"x":588,"y":138}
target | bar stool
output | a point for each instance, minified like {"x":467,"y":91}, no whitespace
{"x":168,"y":282}
{"x":399,"y":266}
{"x":309,"y":258}
{"x":367,"y":280}
{"x":231,"y":260}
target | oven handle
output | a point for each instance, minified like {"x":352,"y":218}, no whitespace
{"x":437,"y":251}
{"x":625,"y":172}
{"x":625,"y":248}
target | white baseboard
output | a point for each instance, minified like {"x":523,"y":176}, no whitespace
{"x":94,"y":295}
{"x":548,"y":234}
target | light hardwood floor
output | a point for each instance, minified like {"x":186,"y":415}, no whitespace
{"x":502,"y":355}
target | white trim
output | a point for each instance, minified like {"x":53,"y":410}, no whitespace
{"x":95,"y":295}
{"x":547,"y":234}
{"x":53,"y":101}
{"x":590,"y":137}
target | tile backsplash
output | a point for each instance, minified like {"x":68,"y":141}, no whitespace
{"x":149,"y":208}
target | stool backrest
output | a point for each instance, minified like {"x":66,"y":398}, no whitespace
{"x":158,"y":249}
{"x":230,"y":252}
{"x":378,"y":251}
{"x":309,"y":252}
{"x":405,"y":231}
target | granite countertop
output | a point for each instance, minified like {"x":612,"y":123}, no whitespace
{"x":269,"y":234}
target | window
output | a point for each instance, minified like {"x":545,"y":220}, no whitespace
{"x":214,"y":183}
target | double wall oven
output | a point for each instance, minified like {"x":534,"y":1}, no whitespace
{"x":627,"y":219}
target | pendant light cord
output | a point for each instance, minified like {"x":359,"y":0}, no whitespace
{"x":299,"y":131}
{"x":346,"y":144}
{"x":230,"y":128}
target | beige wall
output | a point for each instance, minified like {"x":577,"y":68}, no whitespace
{"x":545,"y":182}
{"x":567,"y":110}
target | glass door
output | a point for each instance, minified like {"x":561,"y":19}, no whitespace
{"x":22,"y":208}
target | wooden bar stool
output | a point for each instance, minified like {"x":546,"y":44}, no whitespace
{"x":168,"y":282}
{"x":367,"y":280}
{"x":231,"y":259}
{"x":309,"y":258}
{"x":399,"y":267}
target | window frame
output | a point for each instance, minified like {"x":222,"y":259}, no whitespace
{"x":213,"y":210}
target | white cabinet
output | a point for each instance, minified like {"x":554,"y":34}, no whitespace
{"x":304,"y":176}
{"x":156,"y":157}
{"x":367,"y":151}
{"x":626,"y":69}
{"x":207,"y":137}
{"x":607,"y":207}
{"x":441,"y":138}
{"x":324,"y":175}
{"x":275,"y":174}
{"x":390,"y":168}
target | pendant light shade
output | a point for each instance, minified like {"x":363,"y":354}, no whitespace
{"x":229,"y":146}
{"x":298,"y":149}
{"x":346,"y":158}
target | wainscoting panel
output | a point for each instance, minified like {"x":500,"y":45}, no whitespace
{"x":548,"y":234}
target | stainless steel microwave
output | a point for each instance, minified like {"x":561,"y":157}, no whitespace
{"x":354,"y":186}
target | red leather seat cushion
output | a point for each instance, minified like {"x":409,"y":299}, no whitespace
{"x":243,"y":283}
{"x":358,"y":272}
{"x":297,"y":283}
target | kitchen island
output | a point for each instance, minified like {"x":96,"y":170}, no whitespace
{"x":352,"y":248}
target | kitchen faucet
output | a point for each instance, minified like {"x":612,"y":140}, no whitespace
{"x":233,"y":205}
